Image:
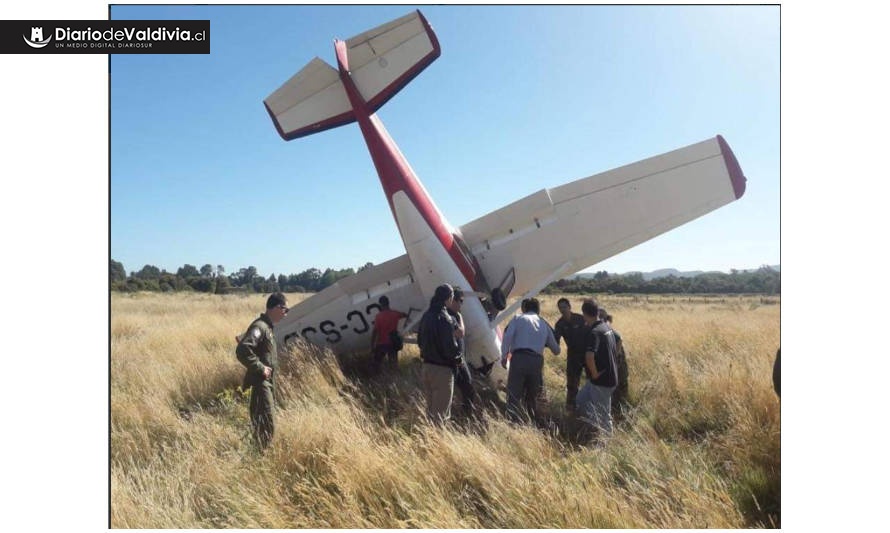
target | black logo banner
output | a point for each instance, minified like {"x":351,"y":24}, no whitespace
{"x":104,"y":36}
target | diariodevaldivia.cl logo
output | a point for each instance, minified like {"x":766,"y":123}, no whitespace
{"x":129,"y":34}
{"x":37,"y":40}
{"x":105,"y":36}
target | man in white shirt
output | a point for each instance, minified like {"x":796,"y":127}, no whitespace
{"x":524,"y":340}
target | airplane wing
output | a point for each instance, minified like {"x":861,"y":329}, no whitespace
{"x":342,"y":315}
{"x":557,"y":232}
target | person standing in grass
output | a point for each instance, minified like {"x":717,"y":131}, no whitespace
{"x":257,"y":351}
{"x":382,"y":343}
{"x":525,"y":339}
{"x":595,"y":398}
{"x":619,"y":397}
{"x":463,"y":379}
{"x":570,"y":327}
{"x":441,"y":355}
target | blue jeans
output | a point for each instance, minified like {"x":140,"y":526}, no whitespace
{"x":594,"y":406}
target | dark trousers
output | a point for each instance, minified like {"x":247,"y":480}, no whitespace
{"x":463,"y":380}
{"x":525,"y":381}
{"x":262,"y":413}
{"x":385,"y":351}
{"x":574,"y":368}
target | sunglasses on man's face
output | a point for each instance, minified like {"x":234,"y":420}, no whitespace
{"x":284,"y":308}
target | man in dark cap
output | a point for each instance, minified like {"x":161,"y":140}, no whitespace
{"x":441,"y":355}
{"x":257,"y":351}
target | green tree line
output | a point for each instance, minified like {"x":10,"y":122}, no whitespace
{"x":215,"y":279}
{"x":764,"y":280}
{"x":208,"y":278}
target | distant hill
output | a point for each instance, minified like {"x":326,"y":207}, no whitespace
{"x":665,"y":272}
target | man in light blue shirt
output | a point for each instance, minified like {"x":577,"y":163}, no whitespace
{"x":525,"y":338}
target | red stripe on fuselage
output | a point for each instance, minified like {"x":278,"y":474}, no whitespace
{"x":394,"y":172}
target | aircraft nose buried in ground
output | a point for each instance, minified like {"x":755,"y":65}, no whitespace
{"x":518,"y":249}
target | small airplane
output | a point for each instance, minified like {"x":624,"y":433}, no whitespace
{"x":516,"y":250}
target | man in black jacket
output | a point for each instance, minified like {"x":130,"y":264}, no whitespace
{"x":441,"y":355}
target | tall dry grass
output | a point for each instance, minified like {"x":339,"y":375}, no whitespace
{"x":700,"y":447}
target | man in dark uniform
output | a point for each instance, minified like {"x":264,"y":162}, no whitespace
{"x":257,"y":351}
{"x":570,"y":327}
{"x":463,"y":380}
{"x":595,"y":398}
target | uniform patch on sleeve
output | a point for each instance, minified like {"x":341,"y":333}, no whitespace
{"x":255,"y":333}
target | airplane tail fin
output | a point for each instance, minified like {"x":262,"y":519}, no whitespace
{"x":381,"y":62}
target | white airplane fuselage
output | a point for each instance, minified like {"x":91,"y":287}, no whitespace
{"x":430,"y":241}
{"x":432,"y":267}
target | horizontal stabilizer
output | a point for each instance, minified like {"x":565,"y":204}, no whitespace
{"x":385,"y":59}
{"x":379,"y":62}
{"x":313,"y":100}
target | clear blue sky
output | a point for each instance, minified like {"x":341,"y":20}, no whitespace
{"x":521,"y":98}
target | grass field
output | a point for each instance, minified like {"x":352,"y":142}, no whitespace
{"x":700,"y":447}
